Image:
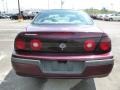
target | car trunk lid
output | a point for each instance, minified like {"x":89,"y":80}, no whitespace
{"x":62,"y":39}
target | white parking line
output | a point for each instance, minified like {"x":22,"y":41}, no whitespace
{"x":6,"y":29}
{"x":2,"y":76}
{"x":2,"y":55}
{"x":3,"y":73}
{"x":6,"y":40}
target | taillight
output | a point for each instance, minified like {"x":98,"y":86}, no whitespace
{"x":105,"y":44}
{"x":20,"y":44}
{"x":89,"y":45}
{"x":36,"y":44}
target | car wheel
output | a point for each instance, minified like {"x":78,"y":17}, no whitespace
{"x":110,"y":19}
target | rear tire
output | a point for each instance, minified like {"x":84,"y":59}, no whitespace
{"x":110,"y":19}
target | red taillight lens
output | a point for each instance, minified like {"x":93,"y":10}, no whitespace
{"x":89,"y":45}
{"x":105,"y":44}
{"x":19,"y":44}
{"x":36,"y":44}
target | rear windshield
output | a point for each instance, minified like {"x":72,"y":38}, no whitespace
{"x":62,"y":17}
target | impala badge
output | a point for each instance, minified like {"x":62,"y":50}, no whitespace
{"x":62,"y":46}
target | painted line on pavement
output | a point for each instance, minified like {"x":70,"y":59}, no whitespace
{"x":6,"y":40}
{"x":3,"y":74}
{"x":5,"y":29}
{"x":2,"y":55}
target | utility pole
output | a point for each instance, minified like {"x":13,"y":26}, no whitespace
{"x":19,"y":9}
{"x":48,"y":4}
{"x":62,"y":2}
{"x":6,"y":6}
{"x":112,"y":6}
{"x":3,"y":6}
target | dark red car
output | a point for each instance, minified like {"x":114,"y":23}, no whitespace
{"x":62,"y":44}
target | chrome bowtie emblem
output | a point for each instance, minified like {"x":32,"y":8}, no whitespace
{"x":62,"y":46}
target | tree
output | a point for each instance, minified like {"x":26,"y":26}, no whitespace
{"x":104,"y":10}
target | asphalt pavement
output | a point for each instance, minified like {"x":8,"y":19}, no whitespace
{"x":10,"y":81}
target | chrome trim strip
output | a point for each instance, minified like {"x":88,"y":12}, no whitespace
{"x":99,"y":62}
{"x":87,"y":63}
{"x":26,"y":61}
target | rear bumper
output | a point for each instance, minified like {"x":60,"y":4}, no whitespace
{"x":90,"y":68}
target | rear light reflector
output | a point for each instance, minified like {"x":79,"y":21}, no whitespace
{"x":36,"y":44}
{"x":19,"y":44}
{"x":89,"y":45}
{"x":105,"y":44}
